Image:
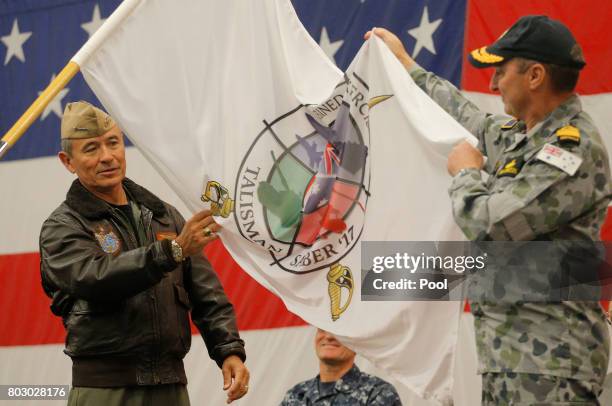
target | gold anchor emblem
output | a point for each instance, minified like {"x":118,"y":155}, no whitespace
{"x":218,"y":196}
{"x":339,"y":276}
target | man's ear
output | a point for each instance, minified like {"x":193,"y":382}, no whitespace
{"x":537,"y":75}
{"x":66,"y":161}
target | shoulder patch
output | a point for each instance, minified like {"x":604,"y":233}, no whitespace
{"x":568,"y":135}
{"x":509,"y":125}
{"x":560,"y":158}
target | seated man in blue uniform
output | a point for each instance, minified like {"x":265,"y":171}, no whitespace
{"x":340,"y":382}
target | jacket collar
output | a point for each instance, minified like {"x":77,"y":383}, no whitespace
{"x":349,"y":381}
{"x":89,"y":206}
{"x":347,"y":384}
{"x":540,"y":133}
{"x":560,"y":117}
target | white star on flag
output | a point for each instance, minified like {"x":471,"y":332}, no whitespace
{"x":14,"y":43}
{"x":95,"y":23}
{"x":424,"y":34}
{"x":330,"y":48}
{"x":55,"y":106}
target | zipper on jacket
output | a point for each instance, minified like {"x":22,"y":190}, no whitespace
{"x":157,"y":336}
{"x":120,"y":225}
{"x":127,"y":238}
{"x":146,"y":217}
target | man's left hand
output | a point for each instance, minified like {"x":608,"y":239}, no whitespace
{"x":235,"y":378}
{"x":464,"y":156}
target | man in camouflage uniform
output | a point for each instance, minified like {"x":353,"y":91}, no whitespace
{"x":340,"y":382}
{"x":548,"y":180}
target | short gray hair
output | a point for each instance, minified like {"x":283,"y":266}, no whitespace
{"x":562,"y":78}
{"x":66,"y":146}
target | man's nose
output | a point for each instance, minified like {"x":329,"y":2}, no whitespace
{"x":493,"y":83}
{"x":105,"y":154}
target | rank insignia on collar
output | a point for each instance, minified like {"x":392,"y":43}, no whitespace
{"x":568,"y":135}
{"x":510,"y":168}
{"x":107,"y":239}
{"x":509,"y":125}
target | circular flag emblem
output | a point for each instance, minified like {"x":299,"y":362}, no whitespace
{"x":301,"y":191}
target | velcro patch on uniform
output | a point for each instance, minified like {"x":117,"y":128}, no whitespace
{"x":165,"y":235}
{"x":510,"y":124}
{"x":510,"y":168}
{"x":568,"y":135}
{"x":560,"y":158}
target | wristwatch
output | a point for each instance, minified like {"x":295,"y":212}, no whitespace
{"x":177,"y":252}
{"x":462,"y":172}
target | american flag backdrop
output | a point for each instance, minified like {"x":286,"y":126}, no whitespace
{"x":38,"y":37}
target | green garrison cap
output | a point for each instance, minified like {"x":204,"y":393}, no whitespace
{"x":83,"y":120}
{"x":535,"y":37}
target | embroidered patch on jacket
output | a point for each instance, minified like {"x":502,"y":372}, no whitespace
{"x":165,"y":235}
{"x":560,"y":158}
{"x":108,"y":240}
{"x":568,"y":135}
{"x":510,"y":168}
{"x":509,"y":125}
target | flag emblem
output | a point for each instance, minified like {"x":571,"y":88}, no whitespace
{"x":339,"y":278}
{"x":301,"y":192}
{"x":218,"y":196}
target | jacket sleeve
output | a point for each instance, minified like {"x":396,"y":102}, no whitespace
{"x":72,"y":262}
{"x":539,"y":200}
{"x":474,"y":120}
{"x":212,"y":312}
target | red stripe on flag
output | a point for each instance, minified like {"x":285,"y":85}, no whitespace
{"x":27,"y":319}
{"x":256,"y":307}
{"x":606,"y":229}
{"x":588,"y":20}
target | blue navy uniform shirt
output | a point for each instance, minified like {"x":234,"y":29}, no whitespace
{"x":355,"y":388}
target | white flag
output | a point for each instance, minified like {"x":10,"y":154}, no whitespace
{"x":237,"y":107}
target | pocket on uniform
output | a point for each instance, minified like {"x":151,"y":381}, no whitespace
{"x":94,"y":329}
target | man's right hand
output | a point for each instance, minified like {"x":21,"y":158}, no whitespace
{"x":394,"y":44}
{"x":194,"y":235}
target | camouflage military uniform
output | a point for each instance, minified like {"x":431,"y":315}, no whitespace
{"x":501,"y":389}
{"x":565,"y":341}
{"x":353,"y":389}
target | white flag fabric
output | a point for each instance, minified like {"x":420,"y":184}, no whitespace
{"x":238,"y":108}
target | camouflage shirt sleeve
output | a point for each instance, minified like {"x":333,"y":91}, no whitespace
{"x":384,"y":395}
{"x":461,"y":109}
{"x":539,"y":200}
{"x":288,"y":400}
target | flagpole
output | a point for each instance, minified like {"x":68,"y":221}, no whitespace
{"x":65,"y":76}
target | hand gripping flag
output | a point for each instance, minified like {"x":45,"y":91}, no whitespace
{"x":238,"y":108}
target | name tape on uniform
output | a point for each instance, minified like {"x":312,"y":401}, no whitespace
{"x":560,"y":158}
